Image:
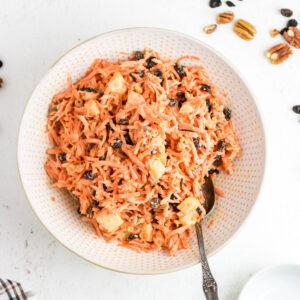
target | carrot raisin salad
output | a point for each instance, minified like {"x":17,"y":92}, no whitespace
{"x":133,"y":141}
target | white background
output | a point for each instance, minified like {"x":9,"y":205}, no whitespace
{"x":33,"y":34}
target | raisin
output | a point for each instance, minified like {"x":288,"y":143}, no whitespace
{"x":296,"y":109}
{"x":197,"y":142}
{"x":218,"y":161}
{"x":103,"y":157}
{"x":108,"y":127}
{"x":1,"y":63}
{"x":140,"y":73}
{"x":230,"y":4}
{"x":101,"y":93}
{"x":104,"y":187}
{"x":292,"y":23}
{"x":173,"y":197}
{"x":123,"y":122}
{"x":154,"y":203}
{"x":95,"y":203}
{"x":221,"y":145}
{"x":138,"y":55}
{"x":181,"y":95}
{"x":157,"y":73}
{"x":227,"y":113}
{"x":283,"y":30}
{"x":174,"y":206}
{"x":205,"y":88}
{"x":90,"y":213}
{"x":199,"y":211}
{"x":153,"y":152}
{"x":88,"y":89}
{"x":162,"y":82}
{"x":215,"y":3}
{"x":150,"y":63}
{"x":79,"y":211}
{"x":94,"y":193}
{"x":117,"y":143}
{"x":128,"y":138}
{"x":167,"y":143}
{"x":212,"y":171}
{"x":89,"y":175}
{"x":133,"y":236}
{"x":62,"y":157}
{"x":172,"y":102}
{"x":208,"y":104}
{"x":180,"y":70}
{"x":286,"y":12}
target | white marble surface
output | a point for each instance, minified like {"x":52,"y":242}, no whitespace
{"x":33,"y":34}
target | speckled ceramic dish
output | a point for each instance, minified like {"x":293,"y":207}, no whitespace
{"x":60,"y":217}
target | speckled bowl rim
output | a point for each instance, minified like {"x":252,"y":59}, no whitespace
{"x":215,"y":52}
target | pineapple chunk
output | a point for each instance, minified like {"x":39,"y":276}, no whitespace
{"x":163,"y":158}
{"x":92,"y":108}
{"x":109,"y":222}
{"x":147,"y":232}
{"x":117,"y":84}
{"x":157,"y":168}
{"x":186,"y":108}
{"x":134,"y":99}
{"x":188,"y":209}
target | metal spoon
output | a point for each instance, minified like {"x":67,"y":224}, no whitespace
{"x":209,"y":284}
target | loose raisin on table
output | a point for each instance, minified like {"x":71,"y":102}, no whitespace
{"x":292,"y":23}
{"x":283,"y":30}
{"x":138,"y":55}
{"x":296,"y":109}
{"x":117,"y":143}
{"x":215,"y":3}
{"x":230,"y":4}
{"x":1,"y":63}
{"x":286,"y":12}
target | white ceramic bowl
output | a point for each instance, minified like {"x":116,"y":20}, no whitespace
{"x":279,"y":282}
{"x":60,"y":217}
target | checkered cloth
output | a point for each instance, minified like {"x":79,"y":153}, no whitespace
{"x":11,"y":290}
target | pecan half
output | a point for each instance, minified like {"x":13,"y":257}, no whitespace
{"x":244,"y":30}
{"x":225,"y":18}
{"x":210,"y":29}
{"x":279,"y":53}
{"x":292,"y":36}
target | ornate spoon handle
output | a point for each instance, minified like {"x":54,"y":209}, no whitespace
{"x":210,"y":287}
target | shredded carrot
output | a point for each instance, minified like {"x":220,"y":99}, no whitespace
{"x":211,"y":224}
{"x":132,"y":142}
{"x":53,"y":199}
{"x":219,"y":192}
